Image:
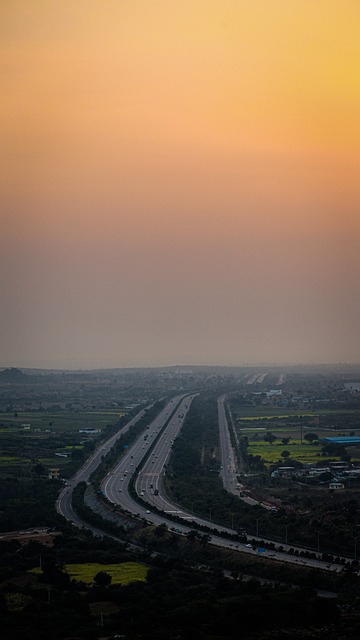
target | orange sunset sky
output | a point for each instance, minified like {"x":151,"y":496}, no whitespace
{"x":180,"y":182}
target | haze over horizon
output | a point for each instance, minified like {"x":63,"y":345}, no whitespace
{"x":179,"y":182}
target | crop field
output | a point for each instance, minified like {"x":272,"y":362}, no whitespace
{"x":121,"y":573}
{"x":268,"y":413}
{"x":46,"y":438}
{"x":304,"y":453}
{"x":57,"y":422}
{"x":255,"y":422}
{"x":9,"y":465}
{"x":281,"y":416}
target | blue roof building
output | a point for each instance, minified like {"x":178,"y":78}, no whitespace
{"x":345,"y":440}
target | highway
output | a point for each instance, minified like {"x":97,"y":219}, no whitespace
{"x":145,"y":461}
{"x":228,"y":464}
{"x":228,"y":471}
{"x":63,"y":503}
{"x":149,"y":486}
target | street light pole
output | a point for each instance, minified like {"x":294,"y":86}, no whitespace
{"x":257,"y":527}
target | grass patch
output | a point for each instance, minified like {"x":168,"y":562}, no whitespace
{"x":59,"y":422}
{"x":34,"y":437}
{"x":11,"y":464}
{"x":17,"y":601}
{"x":304,"y":453}
{"x":272,"y":453}
{"x":277,"y":415}
{"x":122,"y":573}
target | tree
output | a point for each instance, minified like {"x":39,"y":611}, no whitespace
{"x":3,"y":605}
{"x":77,"y":454}
{"x":285,"y":440}
{"x":103,"y":579}
{"x":311,"y":437}
{"x":39,"y":469}
{"x":285,"y":454}
{"x":325,"y":477}
{"x":192,"y":535}
{"x":160,"y":530}
{"x":269,"y":437}
{"x":333,"y":449}
{"x":54,"y":574}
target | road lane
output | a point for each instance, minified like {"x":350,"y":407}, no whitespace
{"x":115,"y":484}
{"x":64,"y":500}
{"x":145,"y":461}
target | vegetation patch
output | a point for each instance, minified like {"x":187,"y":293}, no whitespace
{"x":17,"y":601}
{"x":272,"y":453}
{"x":33,"y":442}
{"x":277,"y":415}
{"x":122,"y":573}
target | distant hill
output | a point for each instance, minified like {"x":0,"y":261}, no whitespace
{"x":12,"y":375}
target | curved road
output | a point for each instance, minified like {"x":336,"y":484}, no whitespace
{"x":63,"y":503}
{"x":146,"y":459}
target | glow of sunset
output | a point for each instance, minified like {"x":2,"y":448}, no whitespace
{"x":179,"y":182}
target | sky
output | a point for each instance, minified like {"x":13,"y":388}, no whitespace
{"x":179,"y":182}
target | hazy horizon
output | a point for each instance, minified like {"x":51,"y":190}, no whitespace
{"x":179,"y":183}
{"x":188,"y":368}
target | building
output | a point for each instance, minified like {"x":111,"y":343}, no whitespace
{"x":347,"y":441}
{"x":54,"y":474}
{"x":335,"y":484}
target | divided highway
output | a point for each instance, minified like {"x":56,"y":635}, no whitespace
{"x":63,"y":503}
{"x":145,"y":460}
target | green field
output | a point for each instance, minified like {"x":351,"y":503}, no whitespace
{"x":304,"y":453}
{"x":254,"y":422}
{"x":9,"y":465}
{"x":57,"y":422}
{"x":266,"y":412}
{"x":281,"y":416}
{"x":122,"y":573}
{"x":31,"y":438}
